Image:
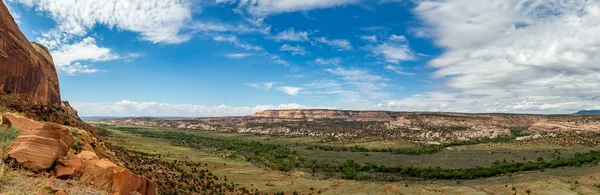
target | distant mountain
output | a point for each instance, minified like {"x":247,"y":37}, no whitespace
{"x":588,"y":112}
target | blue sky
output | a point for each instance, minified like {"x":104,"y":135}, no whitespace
{"x":237,"y":57}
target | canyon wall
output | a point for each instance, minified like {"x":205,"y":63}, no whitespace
{"x":26,"y":69}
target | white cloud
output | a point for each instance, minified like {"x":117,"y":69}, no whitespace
{"x":296,"y":50}
{"x":291,"y":35}
{"x":84,"y":50}
{"x":332,"y":61}
{"x":340,"y":44}
{"x":158,"y":21}
{"x":519,"y":56}
{"x":222,"y":27}
{"x":268,"y":7}
{"x":133,"y":108}
{"x":290,"y":90}
{"x":264,"y":85}
{"x":360,"y":88}
{"x":238,"y":55}
{"x":277,"y":60}
{"x":397,"y":70}
{"x":235,"y":41}
{"x":395,"y":50}
{"x":68,"y":57}
{"x":72,"y":69}
{"x":372,"y":38}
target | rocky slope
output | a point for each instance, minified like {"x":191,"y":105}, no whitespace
{"x":49,"y":149}
{"x":28,"y":70}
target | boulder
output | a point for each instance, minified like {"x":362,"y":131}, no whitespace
{"x":38,"y":149}
{"x":106,"y":175}
{"x":22,"y":123}
{"x":87,"y":155}
{"x":68,"y":166}
{"x":27,"y":70}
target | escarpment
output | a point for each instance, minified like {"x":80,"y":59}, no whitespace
{"x":27,"y":69}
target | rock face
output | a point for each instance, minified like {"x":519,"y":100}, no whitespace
{"x":38,"y":149}
{"x":26,"y":69}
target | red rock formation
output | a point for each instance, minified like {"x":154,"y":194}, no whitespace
{"x":106,"y":175}
{"x":22,"y":123}
{"x":88,"y":155}
{"x":38,"y":149}
{"x":26,"y":69}
{"x":67,"y":166}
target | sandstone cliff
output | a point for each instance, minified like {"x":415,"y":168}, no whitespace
{"x":27,"y":69}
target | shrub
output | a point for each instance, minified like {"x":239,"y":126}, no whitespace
{"x":7,"y":134}
{"x":78,"y":146}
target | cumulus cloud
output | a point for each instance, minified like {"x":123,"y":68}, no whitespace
{"x":519,"y":55}
{"x":270,"y":7}
{"x":72,"y":69}
{"x":296,"y":50}
{"x":290,"y":90}
{"x":134,"y":108}
{"x":291,"y":35}
{"x":158,"y":21}
{"x":339,"y":44}
{"x":68,"y":57}
{"x":84,"y":50}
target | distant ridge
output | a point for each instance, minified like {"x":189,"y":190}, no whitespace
{"x":588,"y":112}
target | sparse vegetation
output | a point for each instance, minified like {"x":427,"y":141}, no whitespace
{"x":7,"y":134}
{"x":431,"y":149}
{"x":281,"y":158}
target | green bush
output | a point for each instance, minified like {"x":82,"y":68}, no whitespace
{"x":7,"y":135}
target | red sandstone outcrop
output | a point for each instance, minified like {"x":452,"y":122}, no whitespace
{"x":106,"y":175}
{"x":26,"y":69}
{"x":38,"y":149}
{"x":22,"y":123}
{"x":68,"y":166}
{"x":47,"y":146}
